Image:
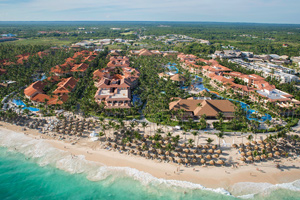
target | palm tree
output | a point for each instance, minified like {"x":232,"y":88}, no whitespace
{"x":191,"y":141}
{"x":144,"y":125}
{"x":220,"y":135}
{"x":220,"y":117}
{"x":195,"y":133}
{"x":101,"y":134}
{"x":209,"y":140}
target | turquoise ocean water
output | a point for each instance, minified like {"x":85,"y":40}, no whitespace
{"x":32,"y":169}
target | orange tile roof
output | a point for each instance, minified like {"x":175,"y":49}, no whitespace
{"x":66,"y":85}
{"x":36,"y":87}
{"x":80,"y":68}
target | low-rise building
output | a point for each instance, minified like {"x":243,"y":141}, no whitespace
{"x":194,"y":108}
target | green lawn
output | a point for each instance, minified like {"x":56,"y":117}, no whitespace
{"x":127,"y":33}
{"x":43,"y":41}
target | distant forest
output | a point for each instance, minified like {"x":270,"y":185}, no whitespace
{"x":258,"y":38}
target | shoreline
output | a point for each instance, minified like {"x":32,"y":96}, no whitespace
{"x":209,"y":176}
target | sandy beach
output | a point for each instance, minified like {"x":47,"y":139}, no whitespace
{"x":208,"y":176}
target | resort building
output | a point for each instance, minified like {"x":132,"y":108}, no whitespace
{"x":195,"y":109}
{"x":118,"y":61}
{"x":71,"y":67}
{"x":35,"y":92}
{"x":278,"y":72}
{"x":180,"y":79}
{"x":115,"y":83}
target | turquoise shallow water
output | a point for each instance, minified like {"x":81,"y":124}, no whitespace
{"x":30,"y":169}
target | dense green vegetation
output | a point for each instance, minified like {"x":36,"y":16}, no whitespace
{"x":23,"y":74}
{"x":259,"y":38}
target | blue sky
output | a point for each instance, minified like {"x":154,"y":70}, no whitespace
{"x":260,"y":11}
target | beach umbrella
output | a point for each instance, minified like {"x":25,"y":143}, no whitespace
{"x":277,"y":153}
{"x":200,"y":146}
{"x":160,"y":141}
{"x":159,"y":151}
{"x":128,"y":144}
{"x":186,"y":150}
{"x":219,"y":151}
{"x":203,"y":161}
{"x":167,"y":153}
{"x":216,"y":155}
{"x":241,"y":149}
{"x":234,"y":146}
{"x":154,"y":156}
{"x":153,"y":141}
{"x":263,"y":156}
{"x":166,"y":142}
{"x":269,"y":149}
{"x":178,"y":149}
{"x":183,"y":145}
{"x":210,"y":151}
{"x":249,"y":153}
{"x":250,"y":158}
{"x":257,"y":158}
{"x":108,"y":143}
{"x":249,"y":148}
{"x":122,"y":148}
{"x":114,"y":146}
{"x":192,"y":156}
{"x":206,"y":147}
{"x":214,"y":147}
{"x":147,"y":154}
{"x":195,"y":151}
{"x":204,"y":151}
{"x":254,"y":142}
{"x":200,"y":156}
{"x":163,"y":157}
{"x":186,"y":160}
{"x":131,"y":151}
{"x":243,"y":154}
{"x":184,"y":155}
{"x":241,"y":145}
{"x":275,"y":148}
{"x":270,"y":155}
{"x":179,"y":160}
{"x":176,"y":154}
{"x":138,"y":153}
{"x":194,"y":160}
{"x":243,"y":159}
{"x":220,"y":162}
{"x":208,"y":157}
{"x":260,"y":142}
{"x":170,"y":158}
{"x":190,"y":146}
{"x":256,"y":147}
{"x":212,"y":162}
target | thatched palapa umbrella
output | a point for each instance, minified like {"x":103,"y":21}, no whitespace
{"x":220,"y":162}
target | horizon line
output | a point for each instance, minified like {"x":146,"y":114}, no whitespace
{"x":158,"y":21}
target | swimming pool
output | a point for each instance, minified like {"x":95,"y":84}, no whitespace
{"x":19,"y":102}
{"x":31,"y":109}
{"x":244,"y":106}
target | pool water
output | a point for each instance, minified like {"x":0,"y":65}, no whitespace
{"x":19,"y":102}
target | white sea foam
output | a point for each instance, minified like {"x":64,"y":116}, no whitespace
{"x":248,"y":190}
{"x":44,"y":154}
